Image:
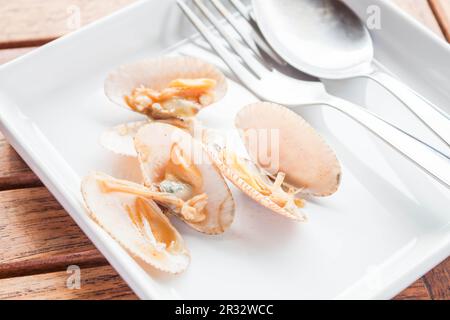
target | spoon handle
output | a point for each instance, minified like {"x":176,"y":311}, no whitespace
{"x":432,"y":116}
{"x":432,"y":161}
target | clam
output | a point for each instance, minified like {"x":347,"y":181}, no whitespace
{"x":120,"y":139}
{"x":183,"y":77}
{"x":287,"y":158}
{"x":168,"y":89}
{"x":190,"y":185}
{"x":127,"y":212}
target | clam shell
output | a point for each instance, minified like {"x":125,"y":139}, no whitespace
{"x":157,"y":73}
{"x":309,"y":163}
{"x":214,"y":148}
{"x":108,"y":210}
{"x":154,"y":143}
{"x":120,"y":139}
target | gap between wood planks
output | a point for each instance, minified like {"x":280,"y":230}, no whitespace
{"x":85,"y":259}
{"x":37,"y":235}
{"x":39,"y":241}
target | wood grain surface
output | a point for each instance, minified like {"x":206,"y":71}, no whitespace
{"x":441,"y":9}
{"x":417,"y":291}
{"x":34,"y":226}
{"x":97,"y":283}
{"x":14,"y":173}
{"x":27,"y":23}
{"x":438,"y":281}
{"x":52,"y":263}
{"x":38,"y":239}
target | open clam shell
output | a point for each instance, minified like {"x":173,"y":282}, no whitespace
{"x":250,"y":191}
{"x":135,"y":221}
{"x":120,"y":139}
{"x":309,"y":163}
{"x":157,"y":73}
{"x":154,"y":144}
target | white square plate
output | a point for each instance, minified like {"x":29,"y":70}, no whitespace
{"x":388,"y":224}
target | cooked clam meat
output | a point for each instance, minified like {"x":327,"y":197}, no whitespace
{"x":191,"y":209}
{"x":274,"y":188}
{"x":168,"y":89}
{"x":303,"y":154}
{"x":152,"y":225}
{"x":300,"y":160}
{"x":181,"y":98}
{"x":129,"y":214}
{"x":189,"y":184}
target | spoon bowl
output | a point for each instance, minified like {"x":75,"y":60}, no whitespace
{"x":321,"y":37}
{"x":326,"y":39}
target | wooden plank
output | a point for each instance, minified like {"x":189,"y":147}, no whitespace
{"x":27,"y":23}
{"x":33,"y":225}
{"x":14,"y":173}
{"x":441,"y":9}
{"x":417,"y":291}
{"x":438,"y":281}
{"x":96,"y":284}
{"x":421,"y":10}
{"x":85,"y":259}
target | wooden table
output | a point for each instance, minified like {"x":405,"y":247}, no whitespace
{"x":38,"y":239}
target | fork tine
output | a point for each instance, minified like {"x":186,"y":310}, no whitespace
{"x":227,"y":15}
{"x":253,"y":65}
{"x":258,"y":39}
{"x":232,"y":62}
{"x":266,"y":47}
{"x":241,"y":8}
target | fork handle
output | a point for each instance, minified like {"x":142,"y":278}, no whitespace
{"x":429,"y":114}
{"x":430,"y":160}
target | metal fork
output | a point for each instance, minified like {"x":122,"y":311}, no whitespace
{"x":269,"y":85}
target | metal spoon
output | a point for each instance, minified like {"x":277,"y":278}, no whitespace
{"x":326,"y":39}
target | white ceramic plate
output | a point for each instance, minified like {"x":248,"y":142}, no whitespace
{"x":388,"y":224}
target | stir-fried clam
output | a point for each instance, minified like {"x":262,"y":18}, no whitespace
{"x":179,"y":176}
{"x":120,"y":139}
{"x":305,"y":163}
{"x":169,"y":89}
{"x":128,"y":213}
{"x":191,"y":186}
{"x":270,"y":192}
{"x":194,"y":192}
{"x":302,"y":154}
{"x":181,"y":98}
